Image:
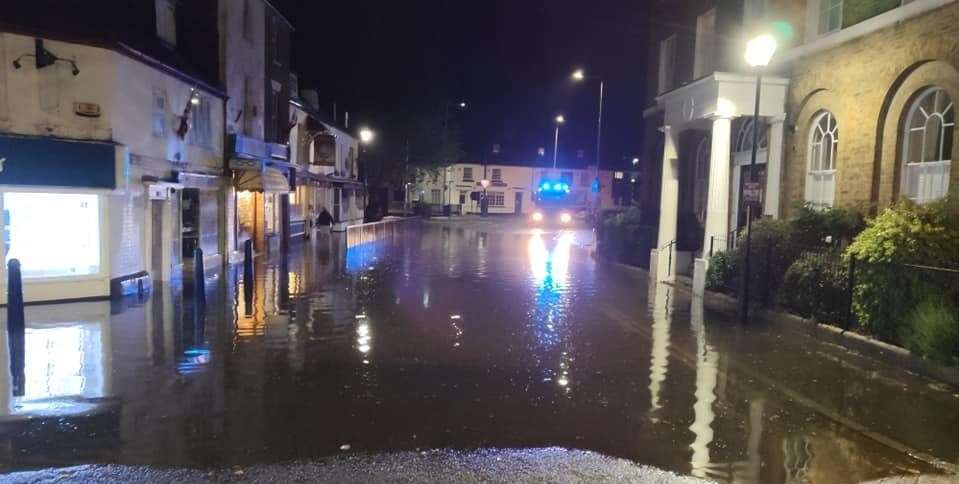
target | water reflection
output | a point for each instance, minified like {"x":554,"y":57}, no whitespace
{"x":533,"y":344}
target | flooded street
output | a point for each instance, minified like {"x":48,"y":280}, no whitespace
{"x":464,"y":336}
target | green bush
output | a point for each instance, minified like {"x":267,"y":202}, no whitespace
{"x":816,"y":286}
{"x":723,"y":271}
{"x":933,"y":330}
{"x":813,"y":225}
{"x":773,"y":250}
{"x":886,"y":291}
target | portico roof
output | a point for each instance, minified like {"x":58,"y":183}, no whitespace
{"x":723,"y":94}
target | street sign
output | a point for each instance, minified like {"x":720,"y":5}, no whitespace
{"x":752,"y":192}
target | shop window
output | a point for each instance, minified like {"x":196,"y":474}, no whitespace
{"x":823,"y":143}
{"x":436,"y":196}
{"x":927,"y":146}
{"x":34,"y":228}
{"x":496,"y":199}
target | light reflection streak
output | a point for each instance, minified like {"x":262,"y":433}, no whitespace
{"x":549,"y":271}
{"x":707,"y":374}
{"x":659,"y":359}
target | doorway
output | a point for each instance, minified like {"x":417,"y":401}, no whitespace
{"x":190,"y":221}
{"x":518,"y":205}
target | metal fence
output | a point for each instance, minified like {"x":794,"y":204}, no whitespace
{"x":370,"y":232}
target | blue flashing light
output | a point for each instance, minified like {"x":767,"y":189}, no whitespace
{"x":557,"y":186}
{"x":544,"y":186}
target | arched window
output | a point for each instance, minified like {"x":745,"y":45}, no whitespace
{"x":744,"y":137}
{"x":927,"y":146}
{"x":701,"y":178}
{"x":823,"y":142}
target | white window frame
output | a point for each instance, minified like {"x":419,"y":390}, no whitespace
{"x":705,"y":55}
{"x":933,"y":174}
{"x":496,"y":175}
{"x":821,"y":179}
{"x":496,"y":199}
{"x":201,"y":127}
{"x":467,"y":173}
{"x":824,"y":14}
{"x":166,"y":21}
{"x":667,"y":64}
{"x":159,"y":105}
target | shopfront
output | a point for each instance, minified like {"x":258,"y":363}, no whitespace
{"x":261,"y":196}
{"x":54,"y":197}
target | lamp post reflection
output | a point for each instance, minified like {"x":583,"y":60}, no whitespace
{"x":661,"y":310}
{"x":707,"y":374}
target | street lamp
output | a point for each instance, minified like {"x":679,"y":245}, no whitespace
{"x":635,"y":161}
{"x":559,"y":120}
{"x":759,"y":51}
{"x":484,"y":204}
{"x":366,"y":135}
{"x":579,"y":76}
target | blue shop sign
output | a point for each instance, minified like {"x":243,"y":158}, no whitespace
{"x":57,"y":162}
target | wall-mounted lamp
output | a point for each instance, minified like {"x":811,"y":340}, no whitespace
{"x":45,"y":58}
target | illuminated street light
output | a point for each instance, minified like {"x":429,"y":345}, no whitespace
{"x":579,"y":76}
{"x":463,"y":104}
{"x":635,"y":161}
{"x":559,"y":120}
{"x":759,"y":52}
{"x":367,"y":135}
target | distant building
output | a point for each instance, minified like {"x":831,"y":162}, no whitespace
{"x":511,"y":189}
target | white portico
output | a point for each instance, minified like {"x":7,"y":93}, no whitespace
{"x":709,"y":108}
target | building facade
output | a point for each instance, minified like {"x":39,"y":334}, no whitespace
{"x":110,"y":156}
{"x":255,"y":71}
{"x":326,"y":160}
{"x":866,"y":70}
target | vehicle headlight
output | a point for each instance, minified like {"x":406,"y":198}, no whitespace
{"x":566,"y":218}
{"x":537,"y":217}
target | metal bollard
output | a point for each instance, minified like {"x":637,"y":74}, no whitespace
{"x":16,"y":327}
{"x":199,"y":276}
{"x":248,"y":277}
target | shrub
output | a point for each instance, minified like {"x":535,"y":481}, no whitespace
{"x":933,"y":330}
{"x":813,"y":225}
{"x":886,"y":292}
{"x":723,"y":271}
{"x":815,"y":286}
{"x":773,"y":251}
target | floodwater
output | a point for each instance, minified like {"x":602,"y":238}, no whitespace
{"x":458,"y":336}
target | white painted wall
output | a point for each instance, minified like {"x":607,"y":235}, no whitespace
{"x":243,"y":58}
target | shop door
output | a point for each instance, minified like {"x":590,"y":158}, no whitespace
{"x":757,"y":208}
{"x":190,"y":221}
{"x":156,"y":242}
{"x":518,"y":205}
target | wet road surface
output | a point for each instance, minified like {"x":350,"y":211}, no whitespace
{"x":458,"y":336}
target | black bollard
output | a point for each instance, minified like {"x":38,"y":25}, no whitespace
{"x":199,"y":276}
{"x":248,"y":277}
{"x":16,"y":327}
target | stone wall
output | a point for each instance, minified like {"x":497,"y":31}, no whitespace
{"x":867,"y":84}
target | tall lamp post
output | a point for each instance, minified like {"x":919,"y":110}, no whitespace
{"x":446,"y":119}
{"x":559,"y":120}
{"x":484,"y":203}
{"x":759,"y":51}
{"x":580,"y":76}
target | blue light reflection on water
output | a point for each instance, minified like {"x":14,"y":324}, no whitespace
{"x":361,"y":257}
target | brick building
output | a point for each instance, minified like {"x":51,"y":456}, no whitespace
{"x":855,"y":111}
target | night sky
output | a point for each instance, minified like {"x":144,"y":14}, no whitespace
{"x":510,"y":59}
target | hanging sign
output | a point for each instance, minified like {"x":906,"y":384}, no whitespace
{"x":752,"y":192}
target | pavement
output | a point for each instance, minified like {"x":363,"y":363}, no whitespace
{"x":551,"y":464}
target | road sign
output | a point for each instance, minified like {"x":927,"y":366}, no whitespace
{"x":752,"y":192}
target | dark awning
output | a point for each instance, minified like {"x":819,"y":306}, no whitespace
{"x":270,"y":180}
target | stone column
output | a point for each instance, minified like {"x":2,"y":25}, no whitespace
{"x":717,"y":199}
{"x":668,"y":206}
{"x":774,"y":163}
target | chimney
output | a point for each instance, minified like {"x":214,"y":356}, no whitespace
{"x":311,"y":97}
